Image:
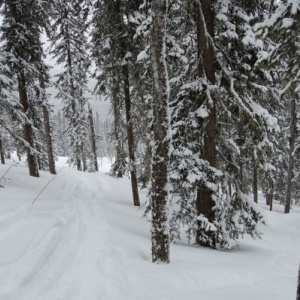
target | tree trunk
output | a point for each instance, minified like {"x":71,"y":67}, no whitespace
{"x":28,"y":131}
{"x":205,"y":203}
{"x":117,"y":167}
{"x":126,"y":89}
{"x":298,"y":286}
{"x":291,"y":156}
{"x":93,"y":140}
{"x":48,"y":130}
{"x":2,"y":152}
{"x":130,"y":138}
{"x":83,"y":157}
{"x":160,"y":155}
{"x":254,"y":183}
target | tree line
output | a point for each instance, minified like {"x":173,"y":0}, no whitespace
{"x":204,"y":97}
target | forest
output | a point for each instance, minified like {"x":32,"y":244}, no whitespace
{"x":204,"y":101}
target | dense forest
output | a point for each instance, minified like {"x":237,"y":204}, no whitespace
{"x":204,"y":103}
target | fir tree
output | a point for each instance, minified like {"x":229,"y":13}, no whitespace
{"x":113,"y":50}
{"x":68,"y":42}
{"x":21,"y":28}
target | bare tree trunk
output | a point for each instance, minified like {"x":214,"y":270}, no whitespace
{"x":298,"y":286}
{"x":160,"y":156}
{"x":93,"y":140}
{"x":28,"y":131}
{"x":117,"y":166}
{"x":271,"y":201}
{"x":2,"y":152}
{"x":130,"y":138}
{"x":48,"y":130}
{"x":126,"y":89}
{"x":291,"y":156}
{"x":205,"y":26}
{"x":254,"y":183}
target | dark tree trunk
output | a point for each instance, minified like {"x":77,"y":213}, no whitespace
{"x":2,"y":152}
{"x":160,"y":155}
{"x":28,"y":130}
{"x":93,"y":140}
{"x":130,"y":138}
{"x":48,"y":130}
{"x":271,"y":201}
{"x":117,"y":167}
{"x":126,"y":89}
{"x":255,"y":183}
{"x":205,"y":202}
{"x":269,"y":195}
{"x":298,"y":286}
{"x":19,"y":154}
{"x":291,"y":157}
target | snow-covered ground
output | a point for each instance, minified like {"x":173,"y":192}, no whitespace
{"x":82,"y":239}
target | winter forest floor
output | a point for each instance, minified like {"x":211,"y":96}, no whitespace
{"x":83,"y":239}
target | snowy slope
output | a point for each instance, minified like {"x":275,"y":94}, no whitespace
{"x":83,"y":239}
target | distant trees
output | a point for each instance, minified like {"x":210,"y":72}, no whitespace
{"x":68,"y":42}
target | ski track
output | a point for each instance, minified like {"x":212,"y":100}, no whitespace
{"x":83,"y":239}
{"x":79,"y":247}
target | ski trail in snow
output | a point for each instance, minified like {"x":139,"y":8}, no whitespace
{"x":73,"y":251}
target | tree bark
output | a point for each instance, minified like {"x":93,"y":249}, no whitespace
{"x":127,"y":98}
{"x":48,"y":130}
{"x":291,"y":156}
{"x":205,"y":26}
{"x":130,"y":138}
{"x":93,"y":140}
{"x":298,"y":286}
{"x":28,"y":130}
{"x":255,"y":183}
{"x":117,"y":166}
{"x":160,"y":155}
{"x":2,"y":152}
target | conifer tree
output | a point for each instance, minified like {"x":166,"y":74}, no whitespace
{"x":280,"y":59}
{"x":113,"y":50}
{"x":68,"y":42}
{"x":213,"y":83}
{"x":21,"y":28}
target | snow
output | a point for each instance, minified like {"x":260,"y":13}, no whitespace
{"x":84,"y":239}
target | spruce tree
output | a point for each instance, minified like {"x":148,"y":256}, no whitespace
{"x":113,"y":50}
{"x":280,"y":59}
{"x":21,"y":29}
{"x":68,"y":41}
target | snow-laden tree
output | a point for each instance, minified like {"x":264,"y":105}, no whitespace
{"x":68,"y":45}
{"x":279,"y":57}
{"x":114,"y":53}
{"x":21,"y":29}
{"x":219,"y":121}
{"x":60,"y":136}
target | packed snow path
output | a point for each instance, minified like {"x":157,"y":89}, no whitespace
{"x":83,"y":239}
